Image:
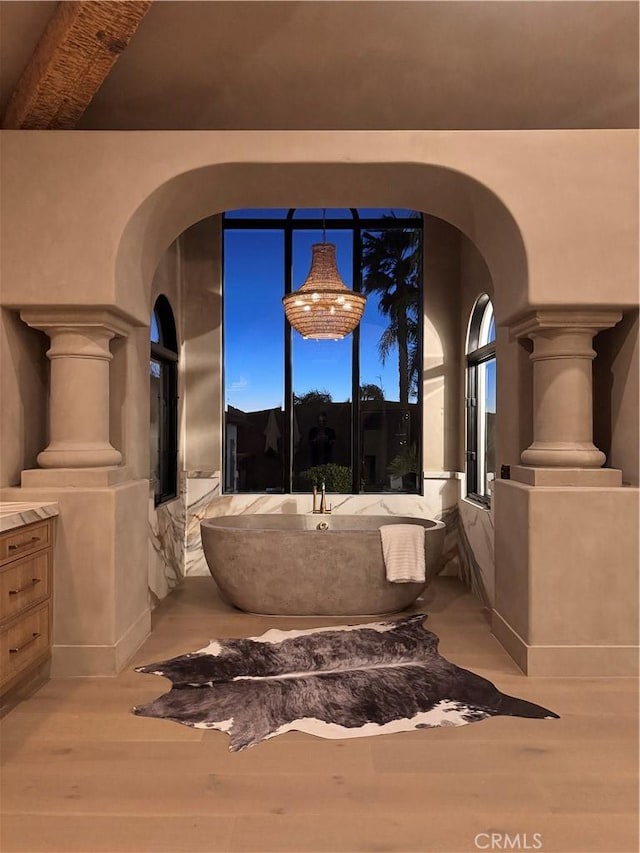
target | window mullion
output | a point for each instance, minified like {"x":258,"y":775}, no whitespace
{"x":356,"y":453}
{"x":288,"y":365}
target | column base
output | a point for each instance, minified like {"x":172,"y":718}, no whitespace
{"x":63,"y":455}
{"x":558,"y":455}
{"x":45,"y":478}
{"x":576,"y":661}
{"x":586,"y":477}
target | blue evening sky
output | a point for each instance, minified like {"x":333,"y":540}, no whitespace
{"x":254,"y":321}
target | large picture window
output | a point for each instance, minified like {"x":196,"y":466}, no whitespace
{"x":163,"y":368}
{"x":297,"y":410}
{"x":481,"y":400}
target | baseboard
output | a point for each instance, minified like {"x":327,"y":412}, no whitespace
{"x":567,"y":661}
{"x":76,"y":661}
{"x":510,"y":639}
{"x":129,"y":644}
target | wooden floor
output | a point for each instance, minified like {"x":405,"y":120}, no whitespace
{"x":81,"y":773}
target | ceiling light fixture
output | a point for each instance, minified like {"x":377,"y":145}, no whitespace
{"x":324,"y":308}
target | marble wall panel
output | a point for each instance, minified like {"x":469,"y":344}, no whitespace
{"x":175,"y":547}
{"x":166,"y":545}
{"x":204,"y":500}
{"x":476,"y":542}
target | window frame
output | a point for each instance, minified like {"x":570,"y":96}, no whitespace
{"x":357,"y":224}
{"x":165,"y":352}
{"x":478,"y":352}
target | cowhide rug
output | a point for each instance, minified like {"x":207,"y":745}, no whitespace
{"x":337,"y":682}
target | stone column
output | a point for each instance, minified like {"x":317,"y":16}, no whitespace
{"x":563,"y":386}
{"x":79,"y":385}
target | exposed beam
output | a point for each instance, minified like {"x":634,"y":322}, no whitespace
{"x":78,"y":48}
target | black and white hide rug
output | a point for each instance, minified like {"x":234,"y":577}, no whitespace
{"x":336,"y":682}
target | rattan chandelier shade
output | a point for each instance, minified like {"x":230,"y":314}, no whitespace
{"x":324,"y":308}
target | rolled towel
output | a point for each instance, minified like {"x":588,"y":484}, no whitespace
{"x":403,"y":551}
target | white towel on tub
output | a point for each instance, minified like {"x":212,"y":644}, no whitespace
{"x":403,"y":551}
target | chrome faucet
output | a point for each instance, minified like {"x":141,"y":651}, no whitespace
{"x":325,"y":508}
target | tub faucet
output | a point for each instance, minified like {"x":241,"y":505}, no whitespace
{"x":324,"y":508}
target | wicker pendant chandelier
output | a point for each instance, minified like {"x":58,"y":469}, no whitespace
{"x":324,"y":308}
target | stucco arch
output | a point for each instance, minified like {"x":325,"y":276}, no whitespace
{"x":446,"y":193}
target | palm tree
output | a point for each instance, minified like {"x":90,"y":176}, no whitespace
{"x":391,"y":266}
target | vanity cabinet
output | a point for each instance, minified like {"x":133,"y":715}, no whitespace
{"x":26,"y":577}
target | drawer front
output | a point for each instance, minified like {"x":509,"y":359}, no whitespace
{"x":23,"y":583}
{"x":25,"y":540}
{"x":24,"y":642}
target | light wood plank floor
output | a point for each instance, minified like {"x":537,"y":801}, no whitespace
{"x":81,"y":773}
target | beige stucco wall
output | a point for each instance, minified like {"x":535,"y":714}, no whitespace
{"x":567,"y":585}
{"x":24,"y":380}
{"x":568,"y":191}
{"x":616,"y":405}
{"x":202,"y":346}
{"x":441,"y":355}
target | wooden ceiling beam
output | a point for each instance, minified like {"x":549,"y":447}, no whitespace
{"x":78,"y":48}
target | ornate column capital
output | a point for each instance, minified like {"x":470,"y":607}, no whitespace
{"x":76,"y":318}
{"x":539,"y":320}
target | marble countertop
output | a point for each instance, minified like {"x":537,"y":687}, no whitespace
{"x":17,"y":513}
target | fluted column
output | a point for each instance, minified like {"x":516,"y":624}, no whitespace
{"x":563,"y":386}
{"x":79,"y":386}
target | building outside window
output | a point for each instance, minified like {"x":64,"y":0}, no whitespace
{"x":297,"y":410}
{"x":481,"y":401}
{"x":163,"y":368}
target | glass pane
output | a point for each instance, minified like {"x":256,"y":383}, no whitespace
{"x":491,"y":334}
{"x":316,"y":213}
{"x":487,"y":331}
{"x":378,"y":212}
{"x":155,"y":329}
{"x":155,"y":370}
{"x":486,"y":425}
{"x":322,"y":384}
{"x":389,"y":361}
{"x":258,"y":213}
{"x":254,"y":361}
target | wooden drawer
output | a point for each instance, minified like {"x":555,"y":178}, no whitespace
{"x":24,"y":642}
{"x":24,"y":583}
{"x":25,"y":540}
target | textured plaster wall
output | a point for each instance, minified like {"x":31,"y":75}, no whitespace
{"x":570,"y":192}
{"x":615,"y":391}
{"x":202,"y":349}
{"x":24,"y":382}
{"x":441,"y":360}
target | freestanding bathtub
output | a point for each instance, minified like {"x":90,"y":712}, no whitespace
{"x":292,"y":565}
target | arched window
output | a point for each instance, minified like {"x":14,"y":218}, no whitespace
{"x":164,"y":402}
{"x":481,"y":400}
